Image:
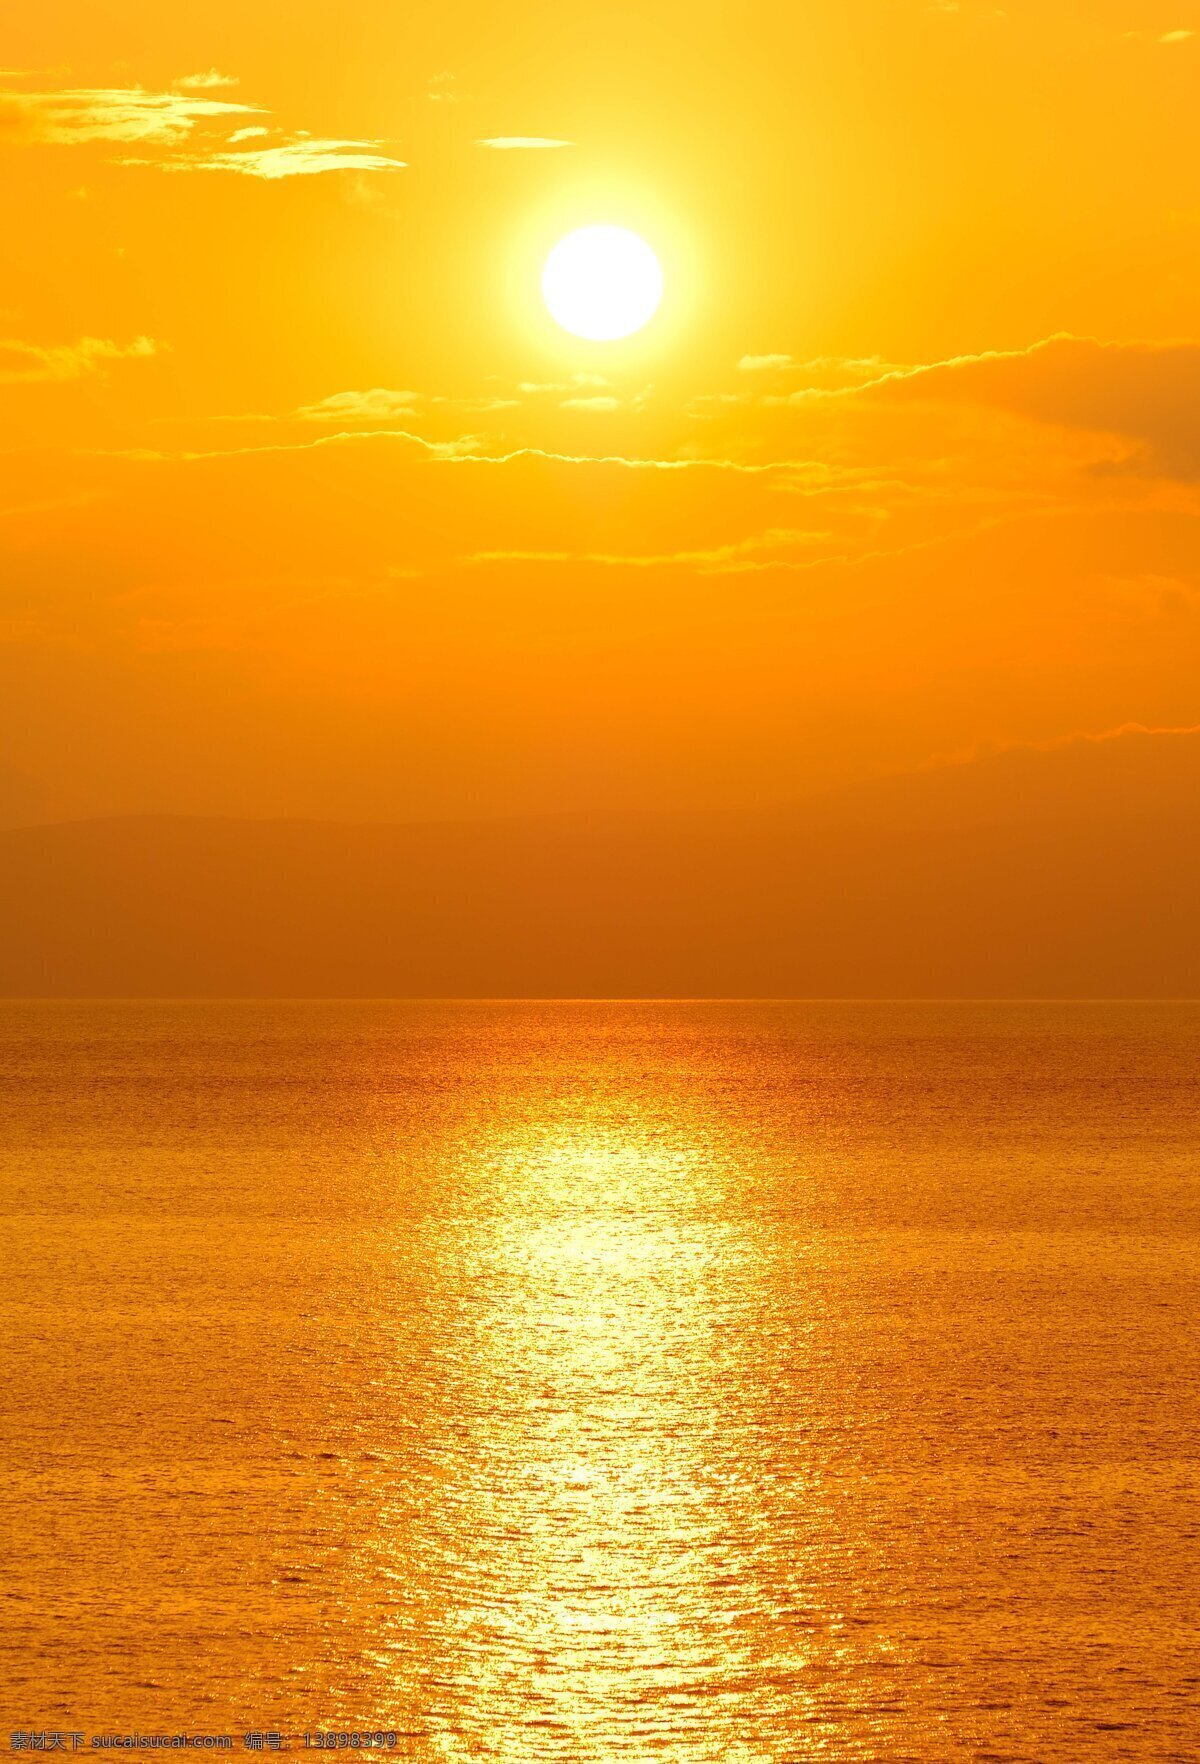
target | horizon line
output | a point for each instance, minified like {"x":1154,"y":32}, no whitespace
{"x":591,"y":998}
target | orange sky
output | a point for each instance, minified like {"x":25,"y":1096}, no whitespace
{"x":309,"y":509}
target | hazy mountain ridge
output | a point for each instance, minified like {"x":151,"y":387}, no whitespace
{"x":1067,"y":871}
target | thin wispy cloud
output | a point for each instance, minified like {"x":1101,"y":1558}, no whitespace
{"x":22,"y":361}
{"x":818,"y":367}
{"x":306,"y":157}
{"x":473,"y":449}
{"x":520,"y":143}
{"x":379,"y":404}
{"x":779,"y":379}
{"x":186,"y":124}
{"x":758,"y":551}
{"x":535,"y":387}
{"x":373,"y":406}
{"x":955,"y":8}
{"x":209,"y":81}
{"x":121,"y":114}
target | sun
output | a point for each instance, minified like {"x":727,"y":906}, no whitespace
{"x":602,"y":283}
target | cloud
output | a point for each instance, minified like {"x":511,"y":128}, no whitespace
{"x":379,"y":405}
{"x":206,"y":82}
{"x":304,"y":157}
{"x":23,"y":362}
{"x":110,"y":114}
{"x":1160,"y":37}
{"x":597,"y":401}
{"x":538,"y":386}
{"x":951,"y":8}
{"x":760,"y":551}
{"x":461,"y":447}
{"x":169,"y":120}
{"x":505,"y":143}
{"x":474,"y":448}
{"x":441,"y":89}
{"x":1146,"y":392}
{"x":804,"y":380}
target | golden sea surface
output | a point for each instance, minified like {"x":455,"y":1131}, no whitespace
{"x":605,"y":1381}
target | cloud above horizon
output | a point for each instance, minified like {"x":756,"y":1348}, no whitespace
{"x":22,"y":361}
{"x":120,"y":114}
{"x":379,"y":404}
{"x":1148,"y":393}
{"x":175,"y":121}
{"x":517,"y":143}
{"x":210,"y":80}
{"x":305,"y":156}
{"x":1167,"y":37}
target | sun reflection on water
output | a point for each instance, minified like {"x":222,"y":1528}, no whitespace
{"x":610,"y":1593}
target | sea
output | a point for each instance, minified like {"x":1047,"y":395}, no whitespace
{"x":602,"y":1381}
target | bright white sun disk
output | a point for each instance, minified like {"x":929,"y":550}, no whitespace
{"x":602,"y":283}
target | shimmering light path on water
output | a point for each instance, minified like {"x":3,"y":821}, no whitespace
{"x":599,"y":1382}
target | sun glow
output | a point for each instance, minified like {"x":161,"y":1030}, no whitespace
{"x":602,"y":283}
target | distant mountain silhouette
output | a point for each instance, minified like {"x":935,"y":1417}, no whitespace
{"x":1063,"y":872}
